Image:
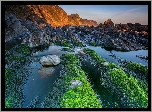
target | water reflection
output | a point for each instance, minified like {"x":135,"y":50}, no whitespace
{"x":129,"y":56}
{"x":40,"y":78}
{"x":52,"y":50}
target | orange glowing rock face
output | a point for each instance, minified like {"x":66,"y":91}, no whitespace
{"x":57,"y":17}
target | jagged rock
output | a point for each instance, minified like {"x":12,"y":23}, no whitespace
{"x":13,"y":27}
{"x":39,"y":38}
{"x":15,"y":32}
{"x":47,"y":29}
{"x":124,"y":47}
{"x":112,"y":40}
{"x":30,"y":25}
{"x":50,"y":60}
{"x":109,"y":22}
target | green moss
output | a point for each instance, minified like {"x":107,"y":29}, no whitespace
{"x":8,"y":103}
{"x":136,"y":96}
{"x":67,"y":49}
{"x":78,"y":97}
{"x":64,"y":43}
{"x":79,"y":44}
{"x":139,"y":69}
{"x":16,"y":58}
{"x":40,"y":47}
{"x":7,"y":73}
{"x":93,"y":54}
{"x":23,"y":49}
{"x":111,"y":66}
{"x":93,"y":44}
{"x":135,"y":89}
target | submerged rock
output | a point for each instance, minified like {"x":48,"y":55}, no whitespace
{"x":46,"y":71}
{"x":50,"y":60}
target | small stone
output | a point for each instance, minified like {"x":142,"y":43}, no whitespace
{"x":81,"y":53}
{"x":75,"y":83}
{"x":105,"y":64}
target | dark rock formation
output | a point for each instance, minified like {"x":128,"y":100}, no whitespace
{"x":109,"y":23}
{"x":34,"y":28}
{"x":42,"y":15}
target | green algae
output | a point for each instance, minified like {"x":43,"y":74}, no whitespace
{"x":136,"y":96}
{"x":67,"y":49}
{"x":23,"y":49}
{"x":133,"y":92}
{"x":137,"y":68}
{"x":63,"y":43}
{"x":78,"y":97}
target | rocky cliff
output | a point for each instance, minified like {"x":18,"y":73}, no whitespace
{"x":51,"y":14}
{"x":75,"y":20}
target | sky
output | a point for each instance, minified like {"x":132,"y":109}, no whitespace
{"x":117,"y":13}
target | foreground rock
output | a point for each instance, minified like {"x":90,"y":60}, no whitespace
{"x":50,"y":60}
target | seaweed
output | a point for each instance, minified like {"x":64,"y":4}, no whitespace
{"x":78,"y":97}
{"x":132,"y":92}
{"x":137,"y":68}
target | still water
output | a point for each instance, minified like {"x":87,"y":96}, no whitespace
{"x":130,"y":56}
{"x":37,"y":85}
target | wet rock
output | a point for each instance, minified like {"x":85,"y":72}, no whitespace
{"x":124,"y":47}
{"x":50,"y":60}
{"x":105,"y":64}
{"x":142,"y":57}
{"x":81,"y":53}
{"x":75,"y":83}
{"x":118,"y":48}
{"x":45,"y":72}
{"x":112,"y":40}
